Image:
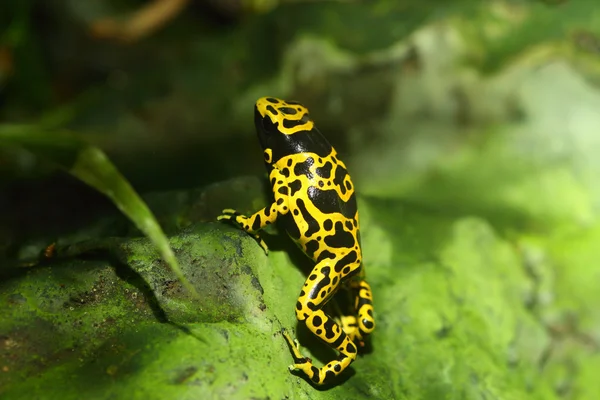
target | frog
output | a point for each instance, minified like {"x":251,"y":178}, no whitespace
{"x":314,"y":198}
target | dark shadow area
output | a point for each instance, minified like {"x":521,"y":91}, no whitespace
{"x":50,"y":206}
{"x":129,"y":275}
{"x":104,"y":250}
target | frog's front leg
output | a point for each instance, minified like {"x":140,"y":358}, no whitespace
{"x":265,"y":216}
{"x":317,"y":290}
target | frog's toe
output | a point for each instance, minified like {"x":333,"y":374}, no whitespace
{"x":230,"y":211}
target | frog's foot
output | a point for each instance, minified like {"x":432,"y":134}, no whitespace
{"x":242,"y":222}
{"x":319,"y":376}
{"x":301,"y":363}
{"x":229,"y":214}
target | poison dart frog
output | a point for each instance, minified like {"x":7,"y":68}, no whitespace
{"x":314,"y":197}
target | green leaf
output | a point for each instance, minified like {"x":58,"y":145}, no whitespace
{"x":90,"y":165}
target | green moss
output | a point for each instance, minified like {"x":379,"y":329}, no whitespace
{"x":455,"y":321}
{"x":453,"y":309}
{"x":574,"y":255}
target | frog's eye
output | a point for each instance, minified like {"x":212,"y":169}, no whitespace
{"x":269,"y":127}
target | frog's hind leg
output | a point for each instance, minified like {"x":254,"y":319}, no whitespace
{"x":317,"y":290}
{"x":346,"y":315}
{"x":364,"y":307}
{"x":340,"y":341}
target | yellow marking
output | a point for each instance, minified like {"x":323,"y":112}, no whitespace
{"x":279,"y":118}
{"x":268,"y":153}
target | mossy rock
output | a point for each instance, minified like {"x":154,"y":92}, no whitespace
{"x":458,"y":316}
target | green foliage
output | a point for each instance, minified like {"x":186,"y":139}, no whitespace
{"x":90,"y":165}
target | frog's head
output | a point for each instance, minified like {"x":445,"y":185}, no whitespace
{"x":281,"y":126}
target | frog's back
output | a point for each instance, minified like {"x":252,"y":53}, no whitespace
{"x":323,"y":217}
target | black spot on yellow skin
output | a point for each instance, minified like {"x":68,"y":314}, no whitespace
{"x":256,"y":224}
{"x":288,"y":110}
{"x":319,"y":287}
{"x":324,"y":171}
{"x":329,"y":374}
{"x":312,"y":224}
{"x":330,"y":202}
{"x":295,"y":186}
{"x":311,"y":247}
{"x":342,"y":263}
{"x":303,"y":168}
{"x":315,"y":374}
{"x":290,"y":124}
{"x":340,"y":238}
{"x":350,"y":348}
{"x":325,"y":254}
{"x":329,"y":327}
{"x":324,"y":223}
{"x":339,"y":179}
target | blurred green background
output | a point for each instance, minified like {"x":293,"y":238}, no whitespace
{"x":471,"y":130}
